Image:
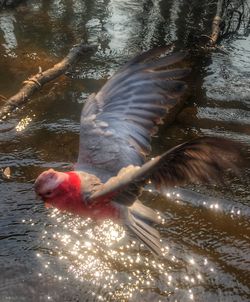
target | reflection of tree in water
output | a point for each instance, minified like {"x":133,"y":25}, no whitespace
{"x":235,"y":17}
{"x":132,"y":25}
{"x":9,"y":3}
{"x":7,"y":22}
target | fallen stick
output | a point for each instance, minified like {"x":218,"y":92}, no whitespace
{"x":35,"y":82}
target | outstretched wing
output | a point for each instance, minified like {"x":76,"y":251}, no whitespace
{"x":117,"y":122}
{"x":200,"y":160}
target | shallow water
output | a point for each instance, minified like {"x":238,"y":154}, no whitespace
{"x":49,"y":256}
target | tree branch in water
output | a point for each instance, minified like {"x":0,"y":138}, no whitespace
{"x":35,"y":82}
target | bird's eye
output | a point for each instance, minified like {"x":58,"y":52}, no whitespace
{"x":48,"y":194}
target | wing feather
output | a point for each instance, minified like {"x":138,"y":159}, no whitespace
{"x":201,"y":160}
{"x":117,"y":122}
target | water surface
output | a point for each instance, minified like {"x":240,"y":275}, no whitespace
{"x":49,"y":256}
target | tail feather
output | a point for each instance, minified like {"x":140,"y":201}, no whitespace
{"x":146,"y":227}
{"x":143,"y":231}
{"x":143,"y":212}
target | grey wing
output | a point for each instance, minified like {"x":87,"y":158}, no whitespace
{"x":201,"y":160}
{"x":117,"y":122}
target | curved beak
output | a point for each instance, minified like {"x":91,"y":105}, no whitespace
{"x":48,"y":205}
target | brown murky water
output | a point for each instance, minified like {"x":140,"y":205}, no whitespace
{"x":49,"y":256}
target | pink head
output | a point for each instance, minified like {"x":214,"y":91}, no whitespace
{"x":47,"y":183}
{"x":60,"y":190}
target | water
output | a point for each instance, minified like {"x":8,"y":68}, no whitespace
{"x":49,"y":256}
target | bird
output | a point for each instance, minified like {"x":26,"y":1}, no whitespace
{"x":116,"y":127}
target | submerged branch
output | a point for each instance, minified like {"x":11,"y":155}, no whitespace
{"x":35,"y":82}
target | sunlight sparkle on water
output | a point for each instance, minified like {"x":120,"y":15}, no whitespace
{"x":214,"y":206}
{"x":104,"y":257}
{"x":191,"y":296}
{"x":23,"y":123}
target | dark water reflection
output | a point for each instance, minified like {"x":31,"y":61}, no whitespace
{"x":48,"y":256}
